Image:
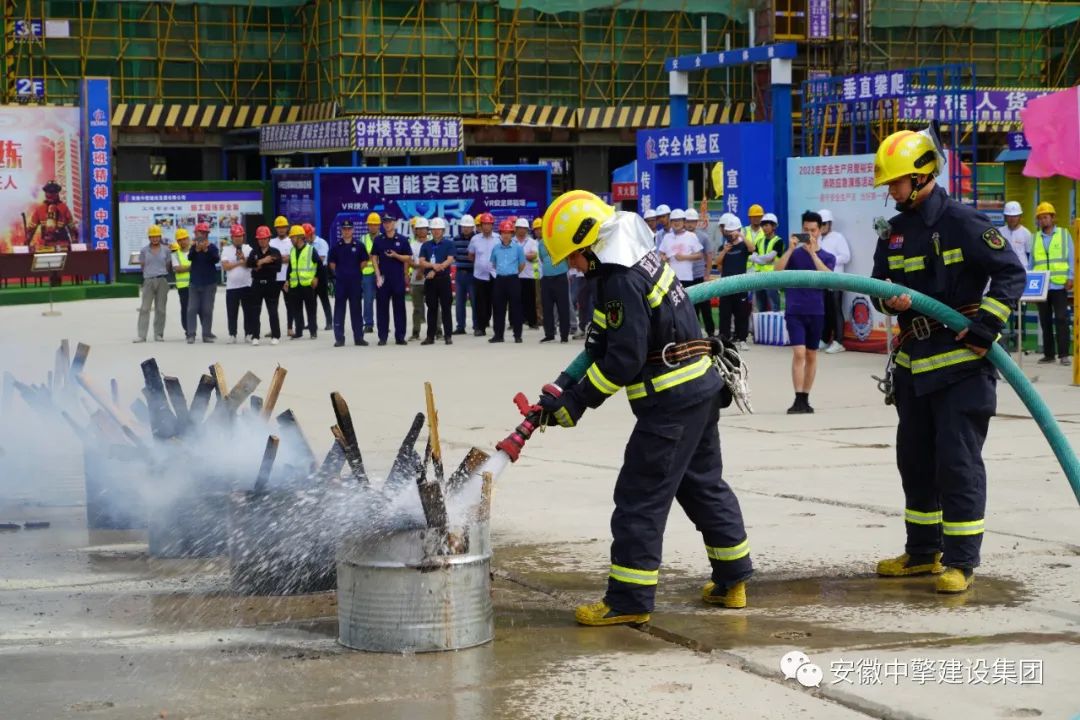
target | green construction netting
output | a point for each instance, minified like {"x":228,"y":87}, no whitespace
{"x":977,"y":14}
{"x":731,"y":8}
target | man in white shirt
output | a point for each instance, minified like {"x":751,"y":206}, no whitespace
{"x":527,"y":278}
{"x":1019,"y":237}
{"x":480,"y":248}
{"x":420,"y":227}
{"x":835,"y":244}
{"x":681,"y":248}
{"x":237,"y":282}
{"x":322,"y":249}
{"x":663,"y":223}
{"x":1020,"y":240}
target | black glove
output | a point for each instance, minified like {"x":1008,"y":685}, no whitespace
{"x":559,"y":408}
{"x":980,"y":336}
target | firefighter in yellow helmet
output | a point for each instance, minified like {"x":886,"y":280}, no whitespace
{"x":942,"y":384}
{"x":1052,"y":252}
{"x":645,"y":337}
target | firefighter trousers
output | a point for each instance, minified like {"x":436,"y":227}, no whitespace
{"x":673,"y":454}
{"x":939,"y":442}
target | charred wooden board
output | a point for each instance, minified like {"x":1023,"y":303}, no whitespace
{"x":175,"y":391}
{"x":269,"y":455}
{"x":162,"y":421}
{"x":472,"y":462}
{"x":290,"y":432}
{"x":348,"y":432}
{"x":201,"y":400}
{"x":404,"y":469}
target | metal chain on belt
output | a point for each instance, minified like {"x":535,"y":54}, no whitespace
{"x":885,"y":384}
{"x":736,"y":374}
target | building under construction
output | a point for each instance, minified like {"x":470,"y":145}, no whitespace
{"x":561,"y":80}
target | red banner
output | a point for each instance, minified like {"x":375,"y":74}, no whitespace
{"x":623,"y":191}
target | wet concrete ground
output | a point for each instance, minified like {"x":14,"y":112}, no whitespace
{"x":91,"y":627}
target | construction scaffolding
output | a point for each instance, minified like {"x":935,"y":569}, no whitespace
{"x":162,"y":52}
{"x":372,"y":56}
{"x":468,"y":58}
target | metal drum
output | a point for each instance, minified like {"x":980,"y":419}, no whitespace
{"x":113,"y":497}
{"x":398,"y":593}
{"x":281,"y":543}
{"x":190,"y":526}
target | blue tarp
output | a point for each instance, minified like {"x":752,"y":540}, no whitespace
{"x":1009,"y":155}
{"x":625,"y":174}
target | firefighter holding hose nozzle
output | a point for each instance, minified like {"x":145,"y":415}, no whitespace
{"x":645,"y":337}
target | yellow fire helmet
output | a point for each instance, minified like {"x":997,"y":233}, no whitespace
{"x":281,"y":221}
{"x":755,"y":211}
{"x":373,"y":219}
{"x":572,"y":222}
{"x":537,"y":222}
{"x":905,"y":153}
{"x":296,"y":231}
{"x":182,"y":234}
{"x":1044,"y":208}
{"x":153,"y":231}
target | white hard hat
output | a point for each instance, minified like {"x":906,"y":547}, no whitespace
{"x":438,"y":224}
{"x":826,"y":215}
{"x":420,"y":222}
{"x":732,"y":222}
{"x":1013,"y":208}
{"x":662,"y":210}
{"x":769,"y":218}
{"x":650,"y":213}
{"x":678,"y":214}
{"x":467,"y":221}
{"x":691,"y":214}
{"x":521,"y":223}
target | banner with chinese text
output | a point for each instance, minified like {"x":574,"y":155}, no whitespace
{"x":740,"y":156}
{"x":170,"y":210}
{"x":95,"y":110}
{"x":446,"y":192}
{"x":845,"y":185}
{"x":41,"y":171}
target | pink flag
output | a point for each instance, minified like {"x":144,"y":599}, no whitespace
{"x":1052,"y":128}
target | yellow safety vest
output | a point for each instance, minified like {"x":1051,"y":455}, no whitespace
{"x":301,"y":267}
{"x":1053,"y":262}
{"x":764,"y":247}
{"x":756,"y":237}
{"x":183,"y":279}
{"x":368,"y":241}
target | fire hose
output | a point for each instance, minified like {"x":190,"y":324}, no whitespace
{"x":998,"y":356}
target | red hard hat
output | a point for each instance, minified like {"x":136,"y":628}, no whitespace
{"x":506,"y":226}
{"x":486,"y":218}
{"x":262,"y":233}
{"x":203,"y":228}
{"x":236,"y":230}
{"x":309,"y":229}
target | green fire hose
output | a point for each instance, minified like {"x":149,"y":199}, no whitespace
{"x":921,"y":303}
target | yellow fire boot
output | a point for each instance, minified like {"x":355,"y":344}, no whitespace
{"x":599,"y":613}
{"x":955,"y":580}
{"x":906,"y":565}
{"x":734,"y":598}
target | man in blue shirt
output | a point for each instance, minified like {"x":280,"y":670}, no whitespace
{"x":203,"y":258}
{"x":347,"y":260}
{"x":805,"y":309}
{"x":554,"y":295}
{"x":436,"y":259}
{"x":507,"y":262}
{"x":466,"y":293}
{"x":392,"y":257}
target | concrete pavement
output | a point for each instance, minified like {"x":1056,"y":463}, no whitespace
{"x":89,"y":626}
